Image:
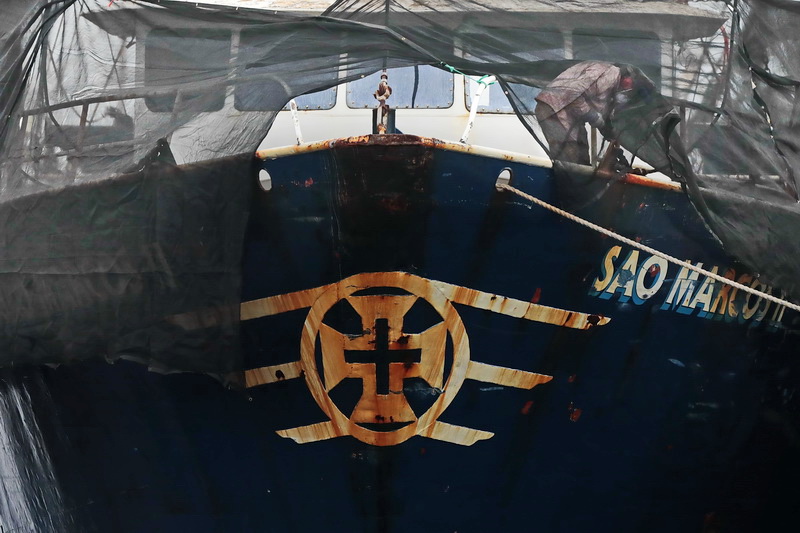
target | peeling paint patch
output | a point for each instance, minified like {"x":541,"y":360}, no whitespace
{"x":536,"y":295}
{"x":574,"y":412}
{"x":527,"y":407}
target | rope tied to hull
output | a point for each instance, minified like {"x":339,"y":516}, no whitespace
{"x":643,"y":247}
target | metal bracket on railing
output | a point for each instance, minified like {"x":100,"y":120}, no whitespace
{"x":296,"y":120}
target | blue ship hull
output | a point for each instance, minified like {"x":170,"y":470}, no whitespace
{"x":651,"y":421}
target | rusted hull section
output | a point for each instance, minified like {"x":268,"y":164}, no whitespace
{"x":637,"y":178}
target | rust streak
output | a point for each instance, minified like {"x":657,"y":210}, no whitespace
{"x":403,"y":140}
{"x":635,"y":179}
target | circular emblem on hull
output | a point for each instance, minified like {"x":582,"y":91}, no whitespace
{"x":383,"y":311}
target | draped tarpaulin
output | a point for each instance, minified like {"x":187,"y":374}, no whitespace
{"x":128,"y":128}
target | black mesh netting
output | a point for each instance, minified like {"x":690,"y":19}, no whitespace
{"x":122,"y":269}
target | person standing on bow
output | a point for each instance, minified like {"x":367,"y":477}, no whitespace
{"x":588,"y":92}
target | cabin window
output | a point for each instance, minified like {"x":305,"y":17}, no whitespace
{"x":640,"y":49}
{"x":495,"y":100}
{"x":167,"y":63}
{"x":257,"y":89}
{"x":319,"y":100}
{"x":250,"y":96}
{"x":540,"y":45}
{"x":419,"y":87}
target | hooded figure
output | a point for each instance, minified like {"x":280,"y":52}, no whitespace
{"x":599,"y":93}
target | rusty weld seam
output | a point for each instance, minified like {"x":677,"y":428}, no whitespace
{"x":653,"y":251}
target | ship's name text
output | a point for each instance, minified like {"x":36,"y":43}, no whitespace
{"x":638,"y":277}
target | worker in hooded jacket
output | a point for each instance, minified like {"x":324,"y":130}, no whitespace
{"x":588,"y":92}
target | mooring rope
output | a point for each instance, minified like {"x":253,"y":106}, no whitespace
{"x":652,"y":251}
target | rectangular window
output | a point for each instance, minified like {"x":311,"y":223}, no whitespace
{"x":419,"y":87}
{"x":494,"y":99}
{"x":640,"y":49}
{"x":261,"y":85}
{"x":174,"y":56}
{"x":319,"y":100}
{"x":540,"y":45}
